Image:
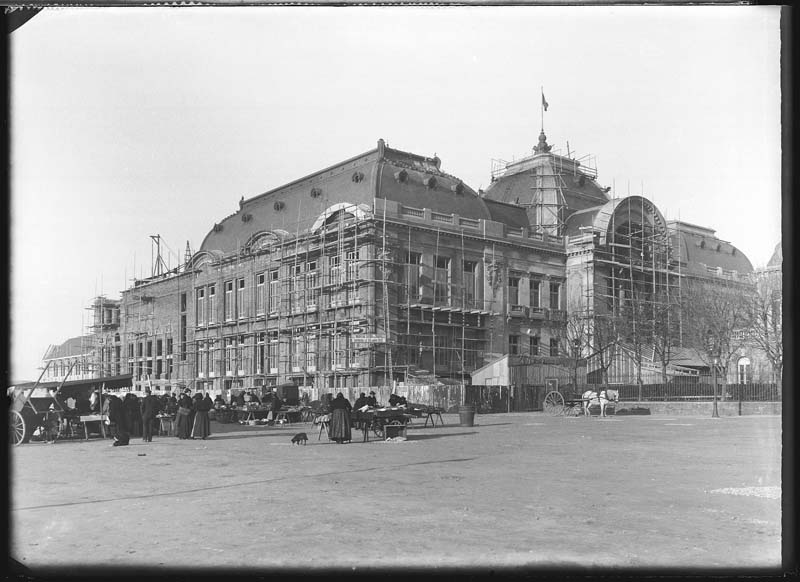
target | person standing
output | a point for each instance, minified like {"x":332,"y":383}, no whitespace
{"x":134,"y":413}
{"x":201,"y":428}
{"x":183,"y":428}
{"x":340,"y":419}
{"x":150,"y":408}
{"x":372,"y":401}
{"x":117,"y":415}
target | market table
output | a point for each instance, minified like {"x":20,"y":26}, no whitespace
{"x":166,"y":424}
{"x":87,"y":418}
{"x":430,"y":414}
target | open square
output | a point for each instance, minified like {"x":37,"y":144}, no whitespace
{"x":519,"y":489}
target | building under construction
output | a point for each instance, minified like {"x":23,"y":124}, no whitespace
{"x":384,"y":269}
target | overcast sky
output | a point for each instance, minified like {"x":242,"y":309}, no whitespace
{"x":133,"y":122}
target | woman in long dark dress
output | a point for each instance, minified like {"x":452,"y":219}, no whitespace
{"x":202,"y":425}
{"x":183,"y":428}
{"x":340,"y":419}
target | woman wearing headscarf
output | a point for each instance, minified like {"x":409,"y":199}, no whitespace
{"x":340,"y":419}
{"x":183,"y":428}
{"x":118,"y":416}
{"x":202,"y":425}
{"x":134,"y":413}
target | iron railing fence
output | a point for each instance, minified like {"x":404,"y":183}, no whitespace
{"x":698,"y":391}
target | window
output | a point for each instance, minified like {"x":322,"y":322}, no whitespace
{"x":553,"y":346}
{"x":273,"y":349}
{"x":535,"y":288}
{"x":212,"y":303}
{"x":169,"y":346}
{"x":513,"y":345}
{"x":261,"y":353}
{"x":229,"y":301}
{"x":159,"y":347}
{"x":230,"y":355}
{"x":200,"y":307}
{"x":139,"y":349}
{"x":183,"y":338}
{"x":743,"y":375}
{"x":413,"y":276}
{"x":533,"y":347}
{"x":469,"y":283}
{"x":335,"y":270}
{"x":183,"y":302}
{"x":352,"y":266}
{"x":261,"y":293}
{"x":241,"y":305}
{"x":297,"y":354}
{"x":513,"y":291}
{"x":555,"y":293}
{"x":149,"y":349}
{"x":441,"y":286}
{"x":130,"y":350}
{"x":274,"y":291}
{"x":312,"y":285}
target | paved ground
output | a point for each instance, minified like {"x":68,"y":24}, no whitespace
{"x":520,"y":489}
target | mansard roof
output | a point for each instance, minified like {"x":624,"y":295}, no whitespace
{"x":406,"y":178}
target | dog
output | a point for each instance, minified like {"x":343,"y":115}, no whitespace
{"x":300,"y":437}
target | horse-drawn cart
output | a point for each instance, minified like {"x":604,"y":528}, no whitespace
{"x":556,"y":404}
{"x":30,"y":415}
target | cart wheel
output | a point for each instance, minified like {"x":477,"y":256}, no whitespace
{"x":377,"y":428}
{"x":17,"y":429}
{"x":554,"y":403}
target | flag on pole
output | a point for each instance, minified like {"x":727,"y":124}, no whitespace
{"x":544,"y":102}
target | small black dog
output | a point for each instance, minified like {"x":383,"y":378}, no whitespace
{"x":300,"y":437}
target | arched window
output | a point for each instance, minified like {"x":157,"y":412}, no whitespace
{"x":744,"y":373}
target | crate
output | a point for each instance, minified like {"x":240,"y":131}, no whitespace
{"x":394,"y":430}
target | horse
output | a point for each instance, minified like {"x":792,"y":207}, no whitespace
{"x":602,"y":399}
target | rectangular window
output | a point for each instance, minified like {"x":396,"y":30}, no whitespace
{"x":513,"y":291}
{"x":469,"y":284}
{"x":159,"y":368}
{"x":553,"y":346}
{"x":261,"y":353}
{"x":150,"y":349}
{"x":130,"y":350}
{"x":183,"y":302}
{"x":513,"y":345}
{"x":413,"y":276}
{"x":230,"y":355}
{"x":335,"y":270}
{"x":555,"y":293}
{"x":242,"y":355}
{"x":241,"y":301}
{"x":159,"y":347}
{"x":352,"y":266}
{"x":200,"y":307}
{"x":183,"y":338}
{"x":535,"y":286}
{"x":311,"y":353}
{"x":533,"y":346}
{"x":441,"y":289}
{"x":298,"y":352}
{"x":229,"y":300}
{"x":273,"y":351}
{"x":274,"y":291}
{"x":139,"y":349}
{"x":212,"y":303}
{"x":312,"y":286}
{"x":261,"y":293}
{"x":169,"y":346}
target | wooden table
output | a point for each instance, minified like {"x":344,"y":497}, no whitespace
{"x":86,"y":418}
{"x":166,"y":425}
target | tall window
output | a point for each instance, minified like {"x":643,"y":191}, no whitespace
{"x":743,"y":370}
{"x":312,"y":284}
{"x":241,"y":302}
{"x":352,"y":266}
{"x":513,"y":291}
{"x":260,"y":353}
{"x":535,"y":290}
{"x":261,"y":282}
{"x":553,"y":346}
{"x":441,"y":288}
{"x":229,"y":301}
{"x":555,"y":293}
{"x":230,"y":355}
{"x":413,"y":276}
{"x":296,"y":292}
{"x":200,"y":309}
{"x":274,"y":291}
{"x":212,"y":303}
{"x":533,"y":346}
{"x":298,"y":352}
{"x":513,"y":345}
{"x":469,"y":283}
{"x":273,"y":350}
{"x":311,"y":353}
{"x":335,"y":270}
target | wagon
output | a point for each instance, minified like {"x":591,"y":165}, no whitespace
{"x":377,"y":420}
{"x":556,"y":404}
{"x":28,"y":415}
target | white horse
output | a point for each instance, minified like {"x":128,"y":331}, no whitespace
{"x":602,"y":399}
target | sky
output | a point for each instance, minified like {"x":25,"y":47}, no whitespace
{"x":133,"y":122}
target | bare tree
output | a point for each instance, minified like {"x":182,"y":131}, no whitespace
{"x":715,"y":314}
{"x":766,"y":329}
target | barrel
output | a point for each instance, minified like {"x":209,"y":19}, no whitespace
{"x":466,"y":414}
